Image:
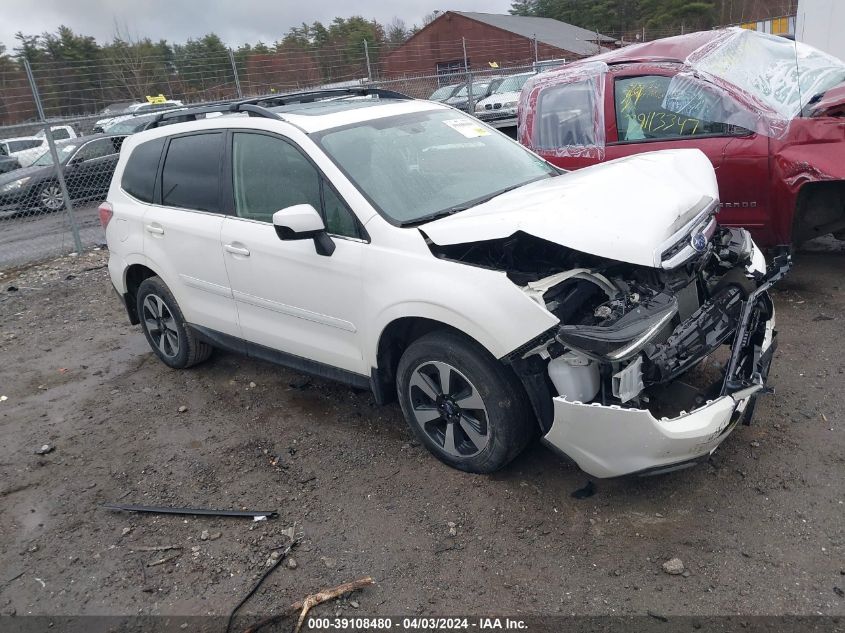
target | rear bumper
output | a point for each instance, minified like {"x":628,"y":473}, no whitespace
{"x":611,"y":441}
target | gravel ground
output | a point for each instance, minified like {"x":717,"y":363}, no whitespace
{"x":759,"y":530}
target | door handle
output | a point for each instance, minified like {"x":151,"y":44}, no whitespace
{"x":155,"y":229}
{"x":237,"y":250}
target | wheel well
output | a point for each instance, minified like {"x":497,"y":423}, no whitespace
{"x":135,"y":274}
{"x":393,"y":342}
{"x":819,"y":210}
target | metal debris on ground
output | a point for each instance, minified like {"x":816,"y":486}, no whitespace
{"x":258,"y":515}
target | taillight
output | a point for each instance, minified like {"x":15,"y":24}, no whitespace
{"x":106,"y":212}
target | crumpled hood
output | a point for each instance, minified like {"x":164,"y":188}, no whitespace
{"x":622,"y":210}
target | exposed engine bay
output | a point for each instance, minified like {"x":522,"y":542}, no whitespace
{"x":661,"y":339}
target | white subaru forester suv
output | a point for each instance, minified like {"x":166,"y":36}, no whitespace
{"x":401,"y":246}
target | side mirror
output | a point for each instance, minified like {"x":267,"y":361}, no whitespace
{"x":302,"y":222}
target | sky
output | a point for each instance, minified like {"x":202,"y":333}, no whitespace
{"x":235,"y":21}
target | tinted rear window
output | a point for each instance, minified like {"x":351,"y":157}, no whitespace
{"x":139,"y":177}
{"x":191,"y":175}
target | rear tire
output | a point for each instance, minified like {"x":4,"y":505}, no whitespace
{"x":164,"y":325}
{"x":466,"y":407}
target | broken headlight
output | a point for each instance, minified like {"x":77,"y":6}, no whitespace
{"x":624,"y":337}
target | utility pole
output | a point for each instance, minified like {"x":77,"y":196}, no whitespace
{"x":60,"y":177}
{"x":367,"y":56}
{"x":235,"y":73}
{"x":471,"y":102}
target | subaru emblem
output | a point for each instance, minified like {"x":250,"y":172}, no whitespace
{"x":699,"y":242}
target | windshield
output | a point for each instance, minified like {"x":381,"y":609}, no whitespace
{"x":478,"y":88}
{"x":512,"y":84}
{"x":443,"y":93}
{"x":129,"y":126}
{"x":64,"y":151}
{"x":414,"y":167}
{"x":772,"y":77}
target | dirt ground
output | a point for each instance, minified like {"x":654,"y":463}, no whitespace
{"x":760,"y":529}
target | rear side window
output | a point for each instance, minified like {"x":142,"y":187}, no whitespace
{"x":565,"y":116}
{"x":191,"y":175}
{"x":139,"y":176}
{"x":60,"y":134}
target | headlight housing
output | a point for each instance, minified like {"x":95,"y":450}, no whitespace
{"x":623,"y":339}
{"x":14,"y":185}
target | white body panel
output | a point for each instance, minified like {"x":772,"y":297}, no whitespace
{"x":602,"y":219}
{"x":292,"y":299}
{"x":185,"y":247}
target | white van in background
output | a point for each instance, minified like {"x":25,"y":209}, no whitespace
{"x":28,"y":148}
{"x":820,"y":24}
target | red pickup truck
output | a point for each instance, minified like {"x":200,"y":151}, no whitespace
{"x":768,"y":112}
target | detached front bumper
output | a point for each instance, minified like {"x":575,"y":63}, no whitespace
{"x":610,"y":441}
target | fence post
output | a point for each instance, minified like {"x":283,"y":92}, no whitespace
{"x":235,"y":73}
{"x":471,"y":102}
{"x":367,"y":56}
{"x":536,"y":51}
{"x":60,"y":177}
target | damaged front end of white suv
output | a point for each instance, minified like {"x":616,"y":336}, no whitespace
{"x":658,"y":352}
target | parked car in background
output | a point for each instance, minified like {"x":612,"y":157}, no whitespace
{"x":777,"y":144}
{"x":398,"y":245}
{"x":481,"y":88}
{"x":499,"y":109}
{"x":445,"y":92}
{"x":27,"y":148}
{"x":87,"y":164}
{"x":137,"y":108}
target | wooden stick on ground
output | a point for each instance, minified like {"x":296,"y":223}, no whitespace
{"x":329,"y":594}
{"x":304,"y":606}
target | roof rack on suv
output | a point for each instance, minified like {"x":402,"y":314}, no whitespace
{"x":250,"y":106}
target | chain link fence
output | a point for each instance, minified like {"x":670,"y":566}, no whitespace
{"x":62,"y":123}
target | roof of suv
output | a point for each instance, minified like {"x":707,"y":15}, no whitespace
{"x":314,"y":116}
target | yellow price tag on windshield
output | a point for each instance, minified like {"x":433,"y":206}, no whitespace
{"x":467,"y":128}
{"x":156,"y":99}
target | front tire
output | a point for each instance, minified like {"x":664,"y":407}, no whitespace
{"x":164,"y":326}
{"x":466,"y":407}
{"x":50,"y":197}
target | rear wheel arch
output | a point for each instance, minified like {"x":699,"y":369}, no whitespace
{"x":134,"y":275}
{"x":819,"y":209}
